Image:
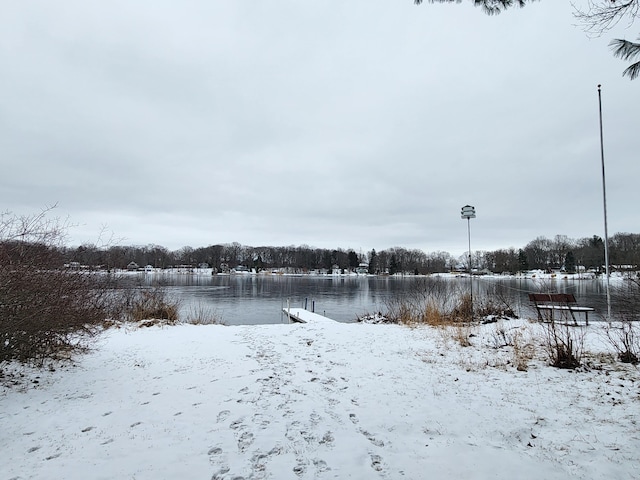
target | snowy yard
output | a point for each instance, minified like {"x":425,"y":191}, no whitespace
{"x":326,"y":400}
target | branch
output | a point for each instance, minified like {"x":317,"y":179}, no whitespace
{"x":602,"y":15}
{"x":627,"y":50}
{"x":490,"y":7}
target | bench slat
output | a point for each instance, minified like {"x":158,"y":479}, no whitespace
{"x":552,"y":297}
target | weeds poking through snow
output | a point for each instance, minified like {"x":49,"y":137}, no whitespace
{"x":624,"y":337}
{"x":564,"y":344}
{"x":437,"y":302}
{"x":462,"y":334}
{"x":519,"y":339}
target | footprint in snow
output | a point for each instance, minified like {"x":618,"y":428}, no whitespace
{"x":320,"y":465}
{"x":220,"y":474}
{"x":372,"y":439}
{"x":214,"y":451}
{"x":376,"y":463}
{"x":299,"y":469}
{"x":236,"y":424}
{"x":244,"y":441}
{"x":223,"y":415}
{"x":327,"y":438}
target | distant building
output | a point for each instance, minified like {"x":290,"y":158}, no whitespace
{"x":362,"y":269}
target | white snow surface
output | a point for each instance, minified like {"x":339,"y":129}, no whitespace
{"x":319,"y":400}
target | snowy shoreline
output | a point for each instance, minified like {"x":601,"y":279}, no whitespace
{"x":324,"y":400}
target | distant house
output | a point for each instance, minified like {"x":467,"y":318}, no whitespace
{"x":362,"y":269}
{"x":133,"y":266}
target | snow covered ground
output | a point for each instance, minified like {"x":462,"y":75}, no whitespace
{"x":320,"y":400}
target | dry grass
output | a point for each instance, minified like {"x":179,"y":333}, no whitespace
{"x":202,"y":315}
{"x":523,"y":349}
{"x":521,"y":341}
{"x":151,"y":304}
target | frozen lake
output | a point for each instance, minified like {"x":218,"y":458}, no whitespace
{"x":259,"y":299}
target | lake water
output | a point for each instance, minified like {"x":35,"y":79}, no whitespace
{"x":259,"y":299}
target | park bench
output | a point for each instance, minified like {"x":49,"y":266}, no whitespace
{"x":564,"y":303}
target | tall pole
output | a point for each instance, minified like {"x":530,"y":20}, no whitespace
{"x":469,"y":212}
{"x":604,"y":202}
{"x":470,"y":271}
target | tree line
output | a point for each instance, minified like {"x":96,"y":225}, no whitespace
{"x":559,"y":252}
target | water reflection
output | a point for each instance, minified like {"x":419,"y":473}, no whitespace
{"x":259,"y":299}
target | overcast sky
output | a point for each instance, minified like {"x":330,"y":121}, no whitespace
{"x":361,"y":124}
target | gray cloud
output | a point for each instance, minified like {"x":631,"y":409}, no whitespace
{"x":362,"y":125}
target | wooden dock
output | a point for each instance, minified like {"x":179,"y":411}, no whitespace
{"x":300,"y":315}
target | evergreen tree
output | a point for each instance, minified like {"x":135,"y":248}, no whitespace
{"x":570,"y":262}
{"x":523,"y":263}
{"x":394,"y":266}
{"x":372,"y":261}
{"x":353,"y":259}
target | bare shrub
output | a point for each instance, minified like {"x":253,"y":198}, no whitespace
{"x":626,"y":298}
{"x":431,"y":301}
{"x":151,"y":303}
{"x":495,"y":304}
{"x":45,"y":311}
{"x":624,"y":337}
{"x":564,"y":344}
{"x":202,"y":315}
{"x":463,"y":310}
{"x":436,"y":301}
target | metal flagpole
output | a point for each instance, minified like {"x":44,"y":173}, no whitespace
{"x":604,"y":199}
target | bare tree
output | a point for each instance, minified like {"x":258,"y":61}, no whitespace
{"x":45,"y":310}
